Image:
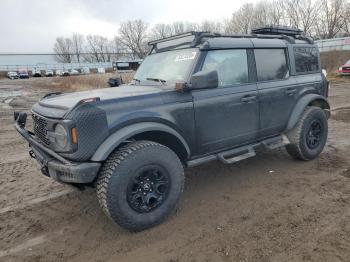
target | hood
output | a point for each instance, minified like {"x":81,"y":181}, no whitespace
{"x":57,"y":105}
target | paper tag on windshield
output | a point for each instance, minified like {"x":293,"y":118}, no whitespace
{"x":183,"y":57}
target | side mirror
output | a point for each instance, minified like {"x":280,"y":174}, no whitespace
{"x":205,"y":79}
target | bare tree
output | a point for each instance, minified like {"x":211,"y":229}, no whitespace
{"x":303,"y":14}
{"x":211,"y":26}
{"x":77,"y":41}
{"x":331,"y":19}
{"x":261,"y":14}
{"x":161,"y":31}
{"x":191,"y":27}
{"x":98,"y":49}
{"x":133,"y":35}
{"x":119,"y":50}
{"x":346,"y":20}
{"x":178,"y":27}
{"x":92,"y":52}
{"x":63,"y":49}
{"x":277,"y":12}
{"x":241,"y":20}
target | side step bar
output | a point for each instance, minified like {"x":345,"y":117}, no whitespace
{"x":237,"y":154}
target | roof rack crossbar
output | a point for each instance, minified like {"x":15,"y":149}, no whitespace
{"x":261,"y":36}
{"x":171,"y":38}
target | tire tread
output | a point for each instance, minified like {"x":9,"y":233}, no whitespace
{"x":295,"y":136}
{"x":108,"y":170}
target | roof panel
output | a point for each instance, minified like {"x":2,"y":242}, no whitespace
{"x":227,"y":42}
{"x":268,"y":43}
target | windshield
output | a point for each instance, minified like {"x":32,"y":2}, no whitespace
{"x":348,"y":62}
{"x":167,"y":67}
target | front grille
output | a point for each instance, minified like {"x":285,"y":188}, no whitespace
{"x":346,"y":68}
{"x":40,"y":129}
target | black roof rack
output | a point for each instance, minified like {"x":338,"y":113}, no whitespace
{"x":192,"y":39}
{"x":277,"y":30}
{"x":188,"y":39}
{"x":172,"y":37}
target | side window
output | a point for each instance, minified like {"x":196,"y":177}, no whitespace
{"x":231,"y":65}
{"x":306,"y":59}
{"x":271,"y":64}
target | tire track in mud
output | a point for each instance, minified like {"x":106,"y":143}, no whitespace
{"x":36,"y":201}
{"x":21,"y":181}
{"x":24,"y":246}
{"x":43,"y":215}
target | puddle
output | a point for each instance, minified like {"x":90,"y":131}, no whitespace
{"x":6,"y":94}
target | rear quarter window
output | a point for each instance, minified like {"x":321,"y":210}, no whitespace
{"x":271,"y":64}
{"x":306,"y":59}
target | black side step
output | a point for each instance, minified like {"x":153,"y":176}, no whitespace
{"x":276,"y":142}
{"x":237,"y":154}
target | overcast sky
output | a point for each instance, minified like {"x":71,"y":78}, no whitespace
{"x":33,"y":25}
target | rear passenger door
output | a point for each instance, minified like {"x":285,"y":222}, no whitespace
{"x":228,"y":115}
{"x":277,"y":90}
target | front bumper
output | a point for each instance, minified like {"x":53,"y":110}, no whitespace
{"x":54,"y":165}
{"x":343,"y":72}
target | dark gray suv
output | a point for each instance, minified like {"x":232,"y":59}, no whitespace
{"x":197,"y":97}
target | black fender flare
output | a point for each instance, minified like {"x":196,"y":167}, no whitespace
{"x":123,"y":134}
{"x":303,"y":102}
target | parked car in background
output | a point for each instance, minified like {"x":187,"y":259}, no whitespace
{"x":58,"y":72}
{"x":63,"y":72}
{"x":101,"y":70}
{"x":12,"y":75}
{"x":85,"y":70}
{"x":36,"y":73}
{"x":344,"y":69}
{"x":115,"y":81}
{"x":23,"y":74}
{"x":49,"y":73}
{"x":74,"y":72}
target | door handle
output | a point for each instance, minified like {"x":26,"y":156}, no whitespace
{"x":291,"y":91}
{"x":247,"y":99}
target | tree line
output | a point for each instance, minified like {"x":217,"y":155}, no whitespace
{"x":320,"y":19}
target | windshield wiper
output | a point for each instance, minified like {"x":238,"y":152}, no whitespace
{"x":157,"y":80}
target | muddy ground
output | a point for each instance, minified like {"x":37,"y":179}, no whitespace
{"x":268,"y":208}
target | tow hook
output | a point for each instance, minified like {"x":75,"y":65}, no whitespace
{"x":32,"y":154}
{"x":45,"y":171}
{"x":20,"y":118}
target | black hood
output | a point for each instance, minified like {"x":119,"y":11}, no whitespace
{"x":57,"y":105}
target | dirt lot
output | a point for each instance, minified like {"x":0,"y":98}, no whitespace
{"x":268,"y":208}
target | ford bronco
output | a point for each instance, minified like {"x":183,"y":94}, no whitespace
{"x":196,"y":97}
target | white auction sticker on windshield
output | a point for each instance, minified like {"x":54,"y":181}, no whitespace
{"x":183,"y":57}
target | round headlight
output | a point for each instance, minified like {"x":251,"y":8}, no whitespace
{"x":61,"y":135}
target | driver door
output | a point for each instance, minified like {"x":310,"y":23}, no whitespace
{"x":226,"y":116}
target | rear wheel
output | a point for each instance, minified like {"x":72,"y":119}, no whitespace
{"x":309,"y":136}
{"x":140,"y":184}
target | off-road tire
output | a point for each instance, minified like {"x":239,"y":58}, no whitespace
{"x":298,"y":147}
{"x":121,"y":166}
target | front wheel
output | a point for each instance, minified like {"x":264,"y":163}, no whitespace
{"x":309,"y":136}
{"x":140,"y":184}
